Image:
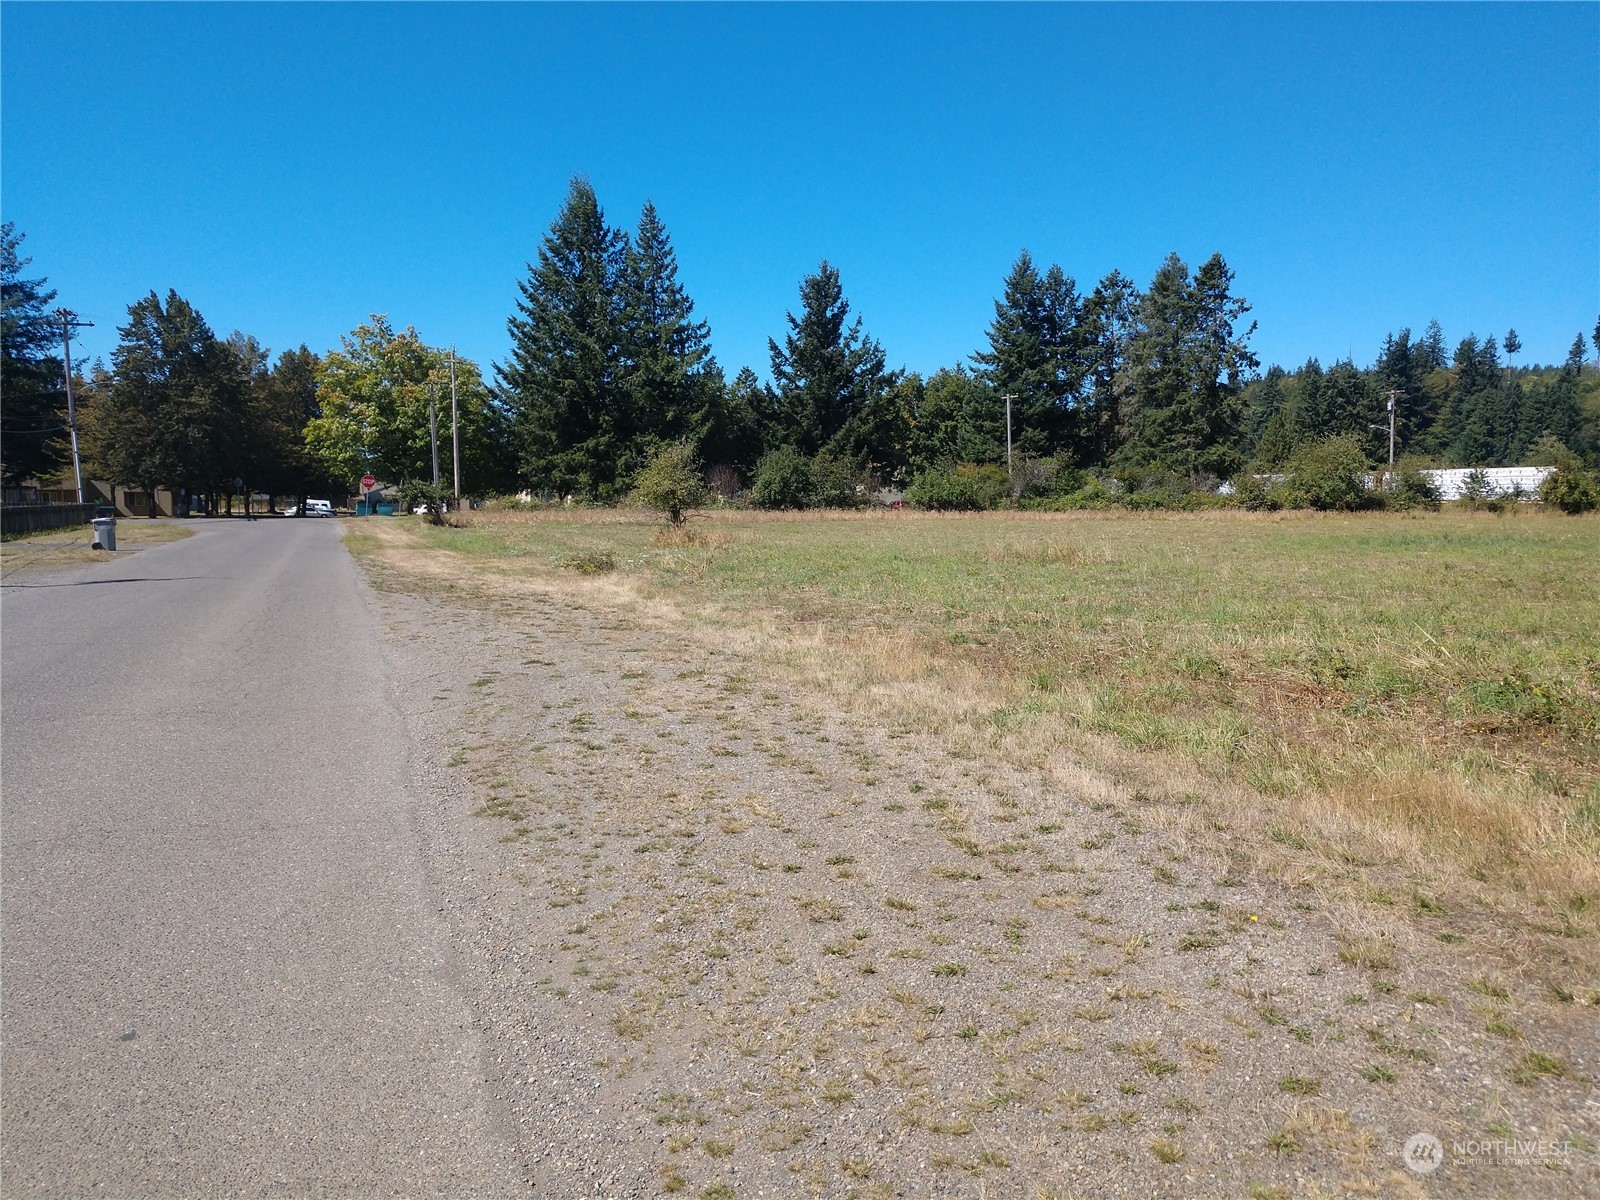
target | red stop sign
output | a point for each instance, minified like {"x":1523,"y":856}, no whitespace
{"x":368,"y":482}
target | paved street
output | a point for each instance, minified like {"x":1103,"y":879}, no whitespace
{"x":225,"y":971}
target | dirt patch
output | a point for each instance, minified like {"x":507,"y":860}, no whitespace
{"x":733,"y":942}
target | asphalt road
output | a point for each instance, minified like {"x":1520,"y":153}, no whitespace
{"x":224,"y":970}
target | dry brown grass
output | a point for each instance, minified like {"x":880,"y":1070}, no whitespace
{"x":70,"y":547}
{"x":1309,"y":770}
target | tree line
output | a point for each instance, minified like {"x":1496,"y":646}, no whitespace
{"x":609,"y":365}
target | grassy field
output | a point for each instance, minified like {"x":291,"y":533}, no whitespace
{"x":1405,"y":707}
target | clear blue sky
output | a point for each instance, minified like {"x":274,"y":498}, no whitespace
{"x":291,"y":168}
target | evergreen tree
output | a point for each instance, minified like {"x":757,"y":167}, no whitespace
{"x":1550,"y":407}
{"x":1279,"y":441}
{"x":1354,"y":408}
{"x":566,"y":380}
{"x":734,"y":433}
{"x":1483,"y":417}
{"x":172,"y":412}
{"x":673,"y":383}
{"x":1109,"y":319}
{"x":957,"y":420}
{"x":1400,"y":369}
{"x":1309,"y":408}
{"x":1035,"y":356}
{"x":1187,"y":366}
{"x":1263,"y":400}
{"x":826,"y":374}
{"x":33,"y":407}
{"x":1432,"y":348}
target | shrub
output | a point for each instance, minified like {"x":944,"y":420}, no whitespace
{"x":839,"y":482}
{"x":963,"y":486}
{"x":670,"y":482}
{"x":1476,"y":491}
{"x":783,"y":479}
{"x":1571,"y":489}
{"x":1146,"y":488}
{"x":1329,"y":474}
{"x":1406,"y":487}
{"x":1255,"y":493}
{"x":414,"y":494}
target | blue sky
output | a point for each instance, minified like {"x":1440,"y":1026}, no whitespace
{"x":292,"y":168}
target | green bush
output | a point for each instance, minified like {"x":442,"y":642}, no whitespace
{"x":1571,"y":489}
{"x":1087,"y":492}
{"x":414,"y":494}
{"x":961,"y":487}
{"x":670,"y":482}
{"x":1256,"y":494}
{"x":1405,"y":487}
{"x":839,"y":482}
{"x":1329,"y":474}
{"x":1152,"y":488}
{"x":783,"y":479}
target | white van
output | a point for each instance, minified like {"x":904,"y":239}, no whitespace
{"x":314,"y":508}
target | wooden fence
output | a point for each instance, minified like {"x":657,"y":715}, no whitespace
{"x":34,"y":518}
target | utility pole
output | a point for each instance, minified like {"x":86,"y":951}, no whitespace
{"x":455,"y":429}
{"x":1008,"y":399}
{"x":433,"y":429}
{"x":69,"y":322}
{"x":1391,"y":394}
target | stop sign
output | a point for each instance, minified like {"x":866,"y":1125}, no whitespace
{"x":368,"y":482}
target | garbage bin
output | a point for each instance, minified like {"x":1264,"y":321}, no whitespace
{"x":105,"y":533}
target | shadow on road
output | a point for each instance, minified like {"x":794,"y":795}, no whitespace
{"x":90,"y":582}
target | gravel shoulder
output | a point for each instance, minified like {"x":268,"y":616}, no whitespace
{"x":721,"y":939}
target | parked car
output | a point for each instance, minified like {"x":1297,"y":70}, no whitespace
{"x":314,"y":508}
{"x":422,"y":509}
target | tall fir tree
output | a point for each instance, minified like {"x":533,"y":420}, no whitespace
{"x":173,"y":411}
{"x":1550,"y":407}
{"x":1264,"y":400}
{"x":1035,"y":355}
{"x":673,"y":384}
{"x":1109,"y":320}
{"x":1400,"y":369}
{"x":33,"y":410}
{"x":826,"y":375}
{"x":1188,"y":365}
{"x":957,"y":420}
{"x":566,"y":381}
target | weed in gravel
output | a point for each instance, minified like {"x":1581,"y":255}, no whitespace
{"x":1298,"y":1085}
{"x":1487,"y":987}
{"x":1377,"y":1074}
{"x":1166,"y":1151}
{"x":777,"y":1138}
{"x":1283,"y":1142}
{"x":1535,"y":1066}
{"x":1371,"y":953}
{"x":821,"y":908}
